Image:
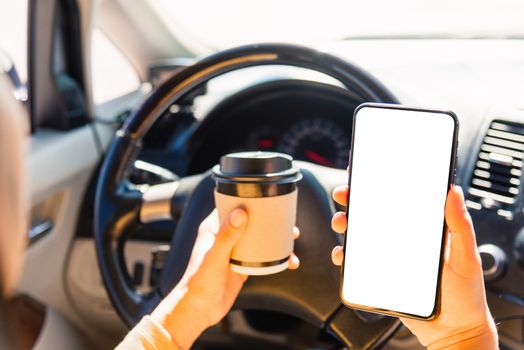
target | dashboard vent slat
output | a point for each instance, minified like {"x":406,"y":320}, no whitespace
{"x":496,"y":179}
{"x":506,"y":135}
{"x":503,"y":143}
{"x":504,"y":151}
{"x":504,"y":126}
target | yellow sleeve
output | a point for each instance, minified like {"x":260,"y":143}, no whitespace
{"x":148,"y":335}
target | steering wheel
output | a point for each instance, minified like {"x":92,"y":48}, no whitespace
{"x":309,"y":293}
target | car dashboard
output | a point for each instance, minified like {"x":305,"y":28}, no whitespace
{"x":309,"y":116}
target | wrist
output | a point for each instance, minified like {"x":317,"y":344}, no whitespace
{"x":182,"y":321}
{"x":483,"y":337}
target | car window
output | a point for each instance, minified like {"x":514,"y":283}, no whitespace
{"x":221,"y":24}
{"x":112,"y":73}
{"x":13,"y":33}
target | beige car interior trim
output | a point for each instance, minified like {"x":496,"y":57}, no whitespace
{"x":137,"y":32}
{"x":58,"y":333}
{"x":88,"y":291}
{"x":60,"y":165}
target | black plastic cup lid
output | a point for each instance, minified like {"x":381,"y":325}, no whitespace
{"x":256,"y":167}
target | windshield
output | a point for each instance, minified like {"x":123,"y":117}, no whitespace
{"x":226,"y":23}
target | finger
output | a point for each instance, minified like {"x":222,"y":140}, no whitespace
{"x":296,"y":232}
{"x":410,"y":323}
{"x":293,"y":262}
{"x":459,"y":222}
{"x":226,"y":238}
{"x":337,"y":255}
{"x":243,"y":277}
{"x":340,"y":195}
{"x":463,"y":246}
{"x":339,"y":222}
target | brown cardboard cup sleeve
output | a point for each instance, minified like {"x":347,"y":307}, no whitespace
{"x":267,"y":242}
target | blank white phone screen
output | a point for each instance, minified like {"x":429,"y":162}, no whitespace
{"x":398,"y":187}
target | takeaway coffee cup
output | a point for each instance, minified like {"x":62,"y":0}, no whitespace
{"x":265,"y":185}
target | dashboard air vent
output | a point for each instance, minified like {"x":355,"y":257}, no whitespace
{"x":496,"y":179}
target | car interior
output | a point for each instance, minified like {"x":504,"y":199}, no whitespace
{"x":131,"y":103}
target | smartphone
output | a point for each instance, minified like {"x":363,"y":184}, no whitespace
{"x":401,"y":166}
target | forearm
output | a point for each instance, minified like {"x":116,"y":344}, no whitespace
{"x":148,"y":334}
{"x":182,"y":322}
{"x":480,"y":338}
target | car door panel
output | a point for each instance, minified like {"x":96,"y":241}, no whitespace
{"x":60,"y":165}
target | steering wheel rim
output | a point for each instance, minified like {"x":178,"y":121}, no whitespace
{"x":117,"y":208}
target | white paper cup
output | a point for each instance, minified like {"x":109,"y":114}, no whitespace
{"x":265,"y":185}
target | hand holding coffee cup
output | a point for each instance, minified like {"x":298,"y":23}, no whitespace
{"x":265,"y":185}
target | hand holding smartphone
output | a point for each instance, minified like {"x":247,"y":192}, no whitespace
{"x":402,"y":164}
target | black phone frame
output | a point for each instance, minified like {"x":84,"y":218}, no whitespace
{"x":451,"y":181}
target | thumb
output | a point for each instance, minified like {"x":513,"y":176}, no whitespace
{"x":228,"y":235}
{"x":463,"y":246}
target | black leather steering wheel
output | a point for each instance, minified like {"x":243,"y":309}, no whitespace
{"x":309,"y":293}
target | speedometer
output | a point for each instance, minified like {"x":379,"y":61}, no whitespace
{"x":318,"y":141}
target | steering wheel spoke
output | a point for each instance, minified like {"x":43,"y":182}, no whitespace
{"x":156,"y":202}
{"x":373,"y":331}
